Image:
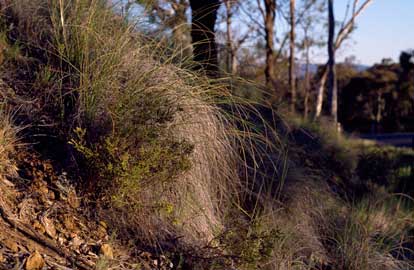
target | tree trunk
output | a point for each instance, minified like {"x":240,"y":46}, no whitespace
{"x":180,"y":29}
{"x":307,"y":80}
{"x":292,"y":77}
{"x":204,"y":15}
{"x":231,"y":54}
{"x":332,"y":83}
{"x":321,"y":88}
{"x":343,"y":33}
{"x":269,"y":20}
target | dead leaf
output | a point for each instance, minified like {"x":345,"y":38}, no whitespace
{"x":11,"y":244}
{"x":35,"y":261}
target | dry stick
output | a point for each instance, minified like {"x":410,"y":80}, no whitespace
{"x":342,"y":35}
{"x":58,"y":265}
{"x":62,"y":21}
{"x":81,"y":263}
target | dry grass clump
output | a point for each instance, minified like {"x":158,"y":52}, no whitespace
{"x":8,"y":143}
{"x":170,"y":159}
{"x":332,"y":218}
{"x":149,"y":144}
{"x":374,"y":234}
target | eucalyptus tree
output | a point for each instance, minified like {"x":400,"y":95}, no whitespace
{"x":204,"y":16}
{"x":292,"y":73}
{"x":309,"y":37}
{"x":332,"y":83}
{"x":347,"y":27}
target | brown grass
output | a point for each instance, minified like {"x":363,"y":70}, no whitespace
{"x":170,"y":167}
{"x":8,"y":144}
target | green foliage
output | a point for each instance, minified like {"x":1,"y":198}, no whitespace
{"x":322,"y":149}
{"x":124,"y":142}
{"x":251,"y":243}
{"x":123,"y":172}
{"x":9,"y":51}
{"x":380,"y":96}
{"x":387,"y":166}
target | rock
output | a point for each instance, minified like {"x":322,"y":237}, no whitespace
{"x":106,"y":251}
{"x":12,"y":245}
{"x":35,"y":261}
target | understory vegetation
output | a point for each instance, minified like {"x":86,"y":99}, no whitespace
{"x":174,"y":164}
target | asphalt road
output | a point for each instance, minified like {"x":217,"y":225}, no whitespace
{"x":396,"y":139}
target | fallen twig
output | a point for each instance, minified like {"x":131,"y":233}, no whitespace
{"x":80,"y":262}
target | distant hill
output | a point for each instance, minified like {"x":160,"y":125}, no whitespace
{"x":314,"y":67}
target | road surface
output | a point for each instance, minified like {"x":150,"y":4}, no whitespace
{"x":395,"y":139}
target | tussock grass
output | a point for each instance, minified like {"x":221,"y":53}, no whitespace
{"x":150,"y":142}
{"x":373,"y":235}
{"x":174,"y":162}
{"x":8,"y":143}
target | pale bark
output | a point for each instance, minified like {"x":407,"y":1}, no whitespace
{"x":307,"y":79}
{"x":321,"y":87}
{"x":292,"y":77}
{"x":342,"y":35}
{"x":231,"y":52}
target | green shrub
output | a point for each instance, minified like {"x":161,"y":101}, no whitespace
{"x":122,"y":171}
{"x":387,"y":166}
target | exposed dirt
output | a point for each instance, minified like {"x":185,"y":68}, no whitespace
{"x":44,"y":224}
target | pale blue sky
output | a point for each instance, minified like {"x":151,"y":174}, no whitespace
{"x":384,"y":30}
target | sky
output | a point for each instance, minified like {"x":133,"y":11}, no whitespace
{"x":384,"y":29}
